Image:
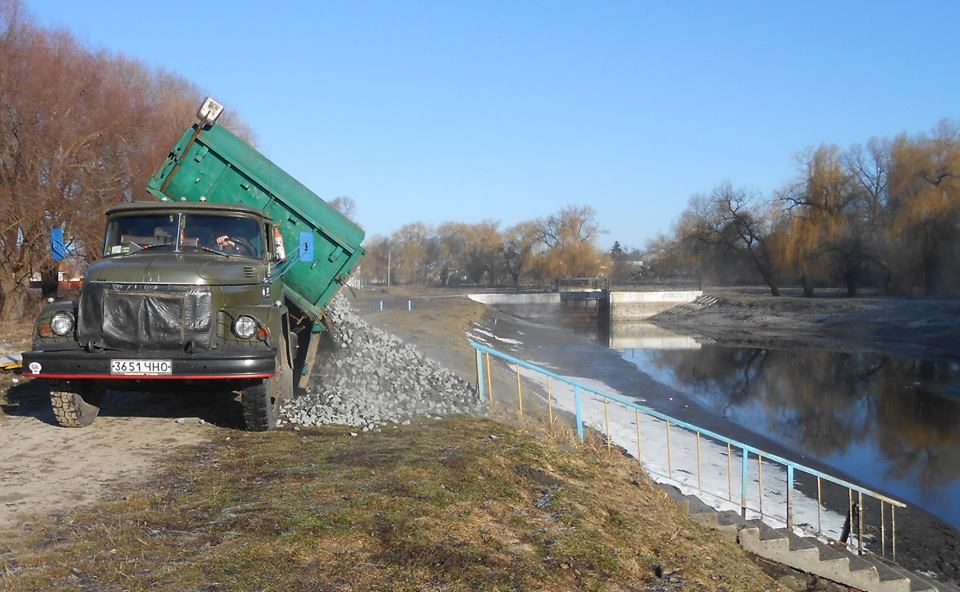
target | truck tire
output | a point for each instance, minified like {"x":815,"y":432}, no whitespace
{"x":73,"y":410}
{"x":261,"y":405}
{"x":261,"y":402}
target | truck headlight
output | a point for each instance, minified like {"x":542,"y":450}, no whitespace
{"x":62,"y":323}
{"x":245,"y":327}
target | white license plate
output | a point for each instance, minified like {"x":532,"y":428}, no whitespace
{"x":141,"y":367}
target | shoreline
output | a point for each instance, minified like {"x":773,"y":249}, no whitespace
{"x":903,"y":327}
{"x":927,"y":543}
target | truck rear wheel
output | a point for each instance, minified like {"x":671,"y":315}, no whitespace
{"x":261,"y":405}
{"x":73,"y":410}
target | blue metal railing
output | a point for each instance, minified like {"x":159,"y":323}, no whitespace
{"x":855,"y":508}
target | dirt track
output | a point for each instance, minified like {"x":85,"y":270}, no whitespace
{"x":46,"y":468}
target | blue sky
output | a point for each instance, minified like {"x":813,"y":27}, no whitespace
{"x":467,"y":111}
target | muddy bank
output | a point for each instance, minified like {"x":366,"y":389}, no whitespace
{"x":928,"y":328}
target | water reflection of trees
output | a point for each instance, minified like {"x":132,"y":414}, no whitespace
{"x":828,"y":400}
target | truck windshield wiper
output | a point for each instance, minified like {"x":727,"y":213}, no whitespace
{"x":209,"y":250}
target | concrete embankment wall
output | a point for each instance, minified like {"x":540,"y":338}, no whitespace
{"x":624,"y":306}
{"x":636,"y":306}
{"x":545,"y":308}
{"x":550,"y":298}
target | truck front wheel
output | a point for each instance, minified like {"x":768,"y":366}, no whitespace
{"x":73,"y":410}
{"x":261,"y":405}
{"x":261,"y":402}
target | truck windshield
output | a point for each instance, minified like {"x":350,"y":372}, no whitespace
{"x":230,"y":235}
{"x":129,"y":234}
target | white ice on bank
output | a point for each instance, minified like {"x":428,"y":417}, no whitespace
{"x":719,"y":483}
{"x":479,"y":329}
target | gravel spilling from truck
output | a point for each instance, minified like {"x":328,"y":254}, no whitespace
{"x":374,"y":378}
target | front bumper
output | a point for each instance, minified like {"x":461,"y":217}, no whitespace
{"x":73,"y":364}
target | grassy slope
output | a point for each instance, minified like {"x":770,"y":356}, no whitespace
{"x":438,"y":505}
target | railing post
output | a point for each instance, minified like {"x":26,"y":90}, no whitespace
{"x":760,"y":483}
{"x":489,"y":378}
{"x":790,"y":497}
{"x":860,"y":522}
{"x":519,"y":393}
{"x":699,"y":481}
{"x":729,"y":473}
{"x":636,"y":412}
{"x":893,"y":532}
{"x":549,"y":401}
{"x":744,"y":472}
{"x":606,"y":421}
{"x":480,"y":384}
{"x":578,"y":407}
{"x":849,"y":517}
{"x":666,"y":426}
{"x":883,"y":532}
{"x":819,"y":504}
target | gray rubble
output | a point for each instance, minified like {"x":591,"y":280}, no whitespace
{"x":375,"y":378}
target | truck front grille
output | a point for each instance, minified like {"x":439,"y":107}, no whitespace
{"x":138,"y":317}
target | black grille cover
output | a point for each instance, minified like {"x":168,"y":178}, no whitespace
{"x":137,"y":317}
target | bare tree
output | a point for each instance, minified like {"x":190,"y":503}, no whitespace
{"x":345,"y":205}
{"x":520,"y":244}
{"x":80,"y":130}
{"x":569,"y":237}
{"x":409,"y":253}
{"x":746,"y":226}
{"x":725,"y":226}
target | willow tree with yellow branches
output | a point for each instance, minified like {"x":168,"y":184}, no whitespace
{"x":925,"y":210}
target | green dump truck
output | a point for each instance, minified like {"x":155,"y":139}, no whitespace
{"x":220,"y":284}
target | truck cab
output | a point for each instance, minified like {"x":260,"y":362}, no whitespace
{"x":195,"y":291}
{"x":185,"y":297}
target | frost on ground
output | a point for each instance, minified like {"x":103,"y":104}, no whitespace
{"x":374,"y":378}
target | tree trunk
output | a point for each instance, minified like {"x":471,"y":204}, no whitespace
{"x":49,"y":282}
{"x":13,"y":301}
{"x":764,"y":272}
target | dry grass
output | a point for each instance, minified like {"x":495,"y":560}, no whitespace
{"x":437,"y":506}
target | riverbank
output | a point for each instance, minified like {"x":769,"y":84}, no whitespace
{"x":928,"y":328}
{"x":927,"y":544}
{"x":456,"y":504}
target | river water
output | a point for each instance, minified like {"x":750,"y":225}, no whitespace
{"x":892,"y":424}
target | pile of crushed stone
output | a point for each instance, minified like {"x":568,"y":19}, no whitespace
{"x":374,"y":378}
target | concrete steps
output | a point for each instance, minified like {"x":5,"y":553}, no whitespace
{"x":698,"y":304}
{"x":806,"y":554}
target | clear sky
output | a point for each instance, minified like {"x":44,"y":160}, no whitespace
{"x":472,"y":110}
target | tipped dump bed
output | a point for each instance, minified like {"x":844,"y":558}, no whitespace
{"x":224,"y":169}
